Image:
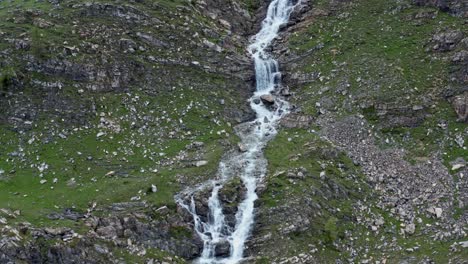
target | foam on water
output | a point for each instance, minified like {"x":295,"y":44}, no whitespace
{"x":250,"y":165}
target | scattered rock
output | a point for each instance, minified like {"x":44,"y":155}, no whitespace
{"x":195,"y":145}
{"x":446,"y":41}
{"x":201,"y":163}
{"x":41,"y":23}
{"x":436,"y":211}
{"x":457,"y":166}
{"x":410,"y":228}
{"x":59,"y":231}
{"x":110,"y":174}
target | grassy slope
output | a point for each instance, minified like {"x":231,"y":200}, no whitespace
{"x":378,"y":48}
{"x":132,"y":153}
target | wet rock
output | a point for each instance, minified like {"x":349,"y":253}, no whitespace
{"x":267,"y":99}
{"x":285,"y":92}
{"x":222,"y":249}
{"x":242,"y":147}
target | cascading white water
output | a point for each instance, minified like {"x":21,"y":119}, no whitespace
{"x":249,"y":165}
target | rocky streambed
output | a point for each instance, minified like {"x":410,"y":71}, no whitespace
{"x":369,"y":166}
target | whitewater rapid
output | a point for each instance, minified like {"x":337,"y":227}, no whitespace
{"x":250,"y":164}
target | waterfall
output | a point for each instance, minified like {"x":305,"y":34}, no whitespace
{"x":251,"y":164}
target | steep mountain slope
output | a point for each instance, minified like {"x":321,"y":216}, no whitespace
{"x":100,"y":102}
{"x":371,"y":167}
{"x":109,"y":108}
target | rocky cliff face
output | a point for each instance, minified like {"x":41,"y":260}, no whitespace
{"x":111,"y":108}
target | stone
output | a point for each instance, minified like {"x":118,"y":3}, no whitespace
{"x":101,"y":249}
{"x":225,"y":24}
{"x":212,"y":45}
{"x":242,"y":147}
{"x":457,"y":166}
{"x":436,"y":211}
{"x":460,"y":105}
{"x":455,"y":7}
{"x":410,"y":228}
{"x":195,"y":145}
{"x":293,"y":120}
{"x":379,"y":222}
{"x":267,"y":99}
{"x":285,"y":92}
{"x":41,"y":23}
{"x":107,"y":231}
{"x":447,"y":41}
{"x":222,"y":249}
{"x":201,"y":163}
{"x":153,"y":188}
{"x":57,"y":231}
{"x":461,"y":56}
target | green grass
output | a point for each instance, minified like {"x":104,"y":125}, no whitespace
{"x":378,"y":45}
{"x":369,"y":53}
{"x":331,"y":211}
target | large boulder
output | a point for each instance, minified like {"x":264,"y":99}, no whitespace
{"x":268,"y":99}
{"x":222,"y":249}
